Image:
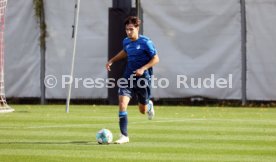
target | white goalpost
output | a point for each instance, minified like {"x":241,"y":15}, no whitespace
{"x":4,"y":107}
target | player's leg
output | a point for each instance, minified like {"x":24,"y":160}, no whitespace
{"x":124,"y":98}
{"x":147,"y":108}
{"x":142,"y":108}
{"x":123,"y":120}
{"x":145,"y":104}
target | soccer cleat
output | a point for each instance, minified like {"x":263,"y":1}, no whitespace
{"x":150,"y":111}
{"x":122,"y":139}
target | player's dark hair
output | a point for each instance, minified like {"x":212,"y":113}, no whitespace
{"x":133,"y":20}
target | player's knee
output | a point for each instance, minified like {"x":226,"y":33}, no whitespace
{"x":122,"y":104}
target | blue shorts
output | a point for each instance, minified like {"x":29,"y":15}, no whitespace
{"x":140,"y":88}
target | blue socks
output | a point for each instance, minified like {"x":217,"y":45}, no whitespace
{"x":123,"y":121}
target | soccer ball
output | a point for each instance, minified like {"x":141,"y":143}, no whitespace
{"x":104,"y":136}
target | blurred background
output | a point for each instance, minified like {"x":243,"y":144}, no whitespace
{"x":195,"y":38}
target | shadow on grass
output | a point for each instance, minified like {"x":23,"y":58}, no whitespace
{"x":21,"y":111}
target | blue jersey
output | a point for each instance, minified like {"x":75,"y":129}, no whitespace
{"x":139,"y":53}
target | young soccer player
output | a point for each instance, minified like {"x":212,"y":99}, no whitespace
{"x":141,"y":56}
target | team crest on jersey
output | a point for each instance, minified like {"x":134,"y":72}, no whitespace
{"x":138,"y":47}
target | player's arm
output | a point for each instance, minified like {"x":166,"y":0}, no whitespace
{"x":151,"y":63}
{"x":121,"y":55}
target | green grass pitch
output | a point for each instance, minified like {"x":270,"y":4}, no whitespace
{"x":46,"y":133}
